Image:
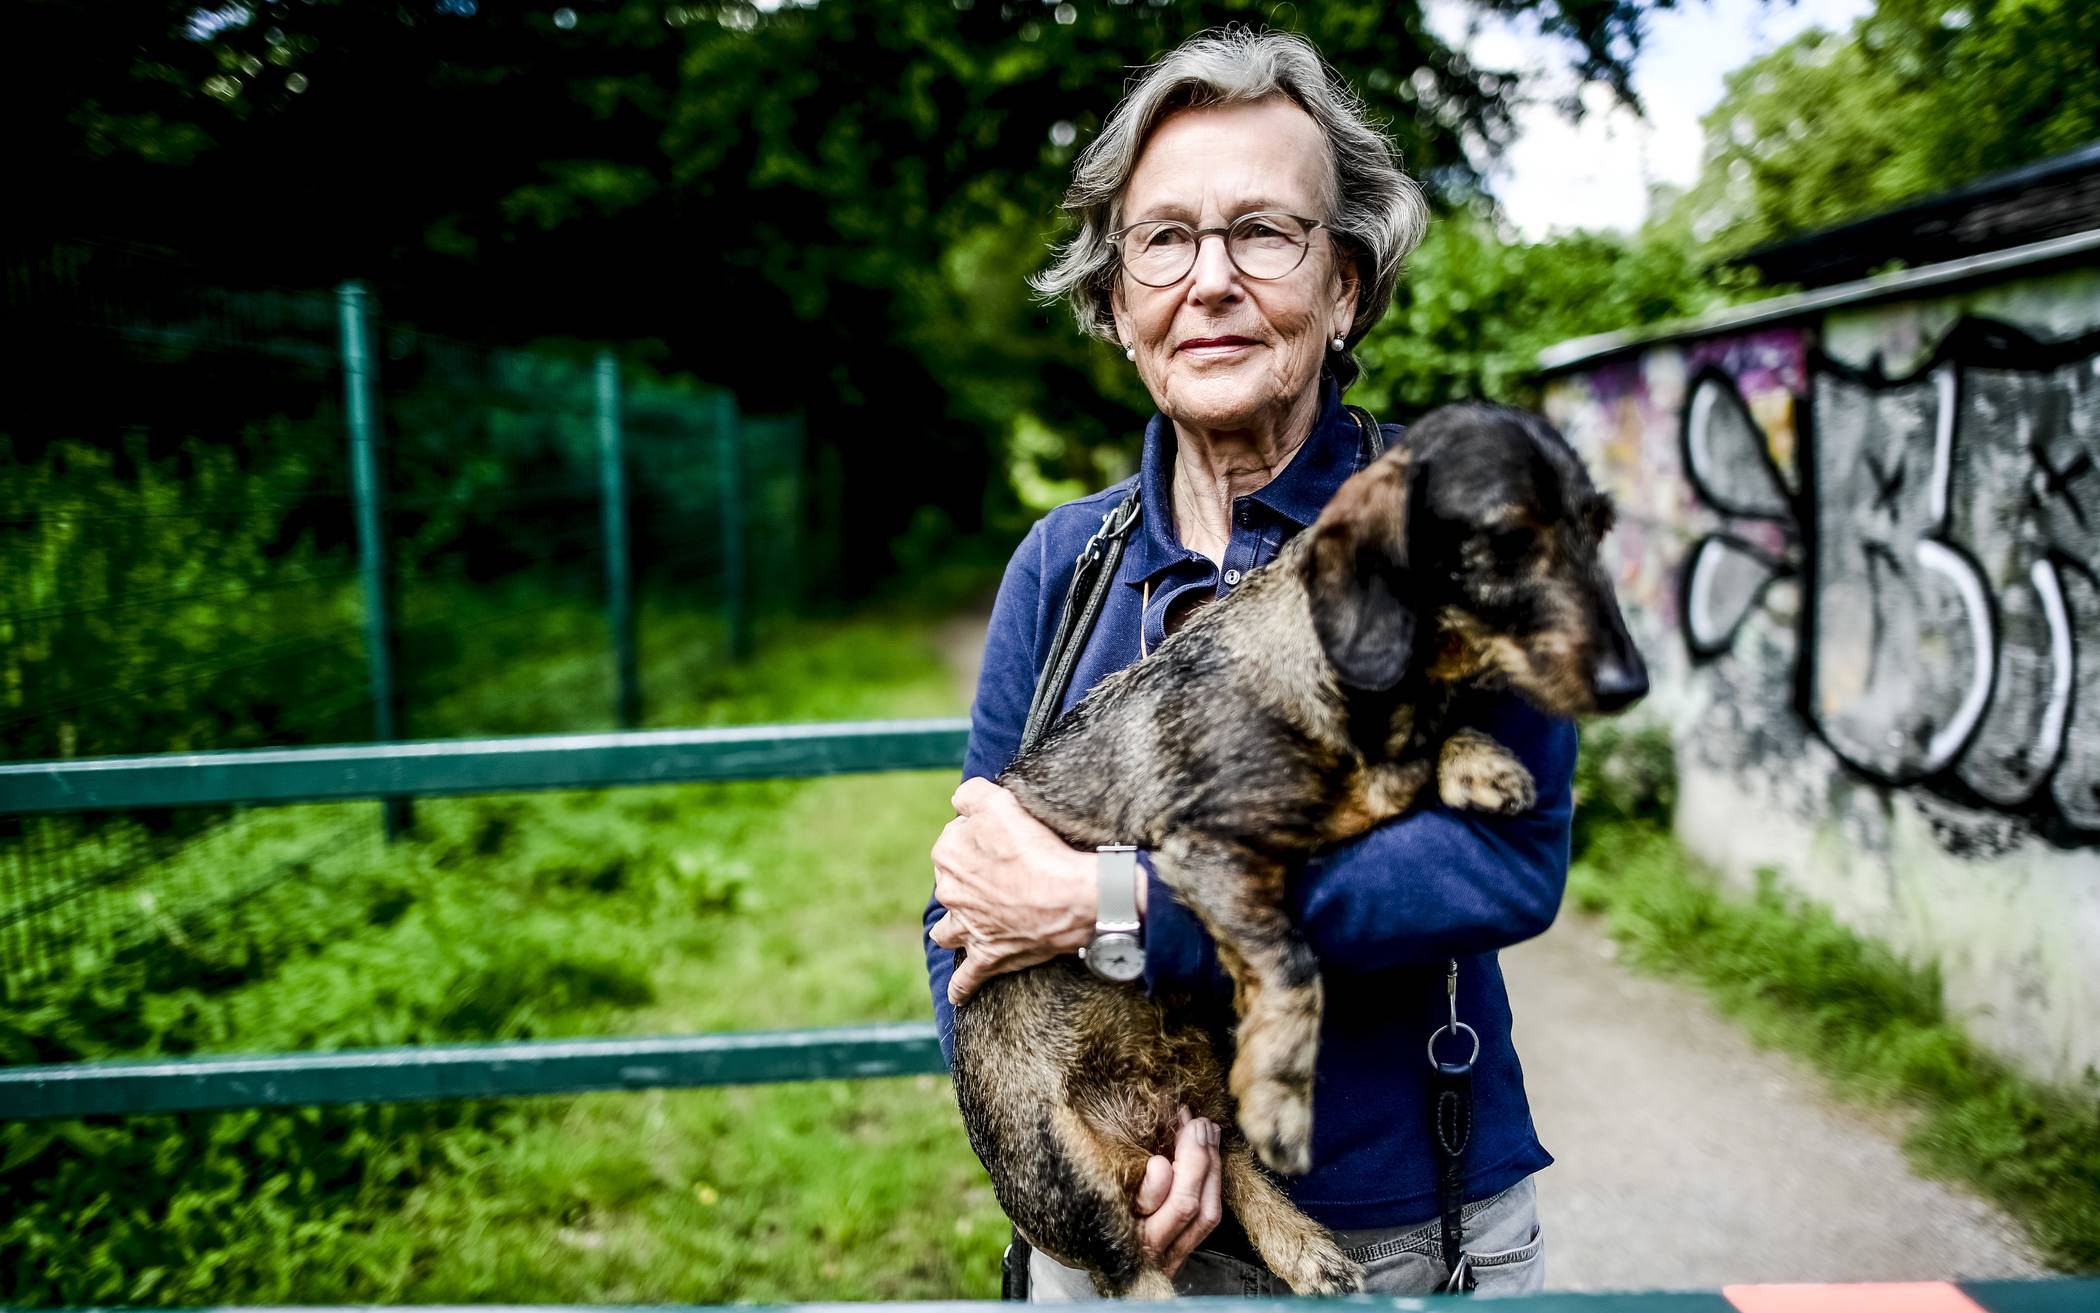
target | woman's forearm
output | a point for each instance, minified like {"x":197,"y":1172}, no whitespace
{"x":1432,"y":884}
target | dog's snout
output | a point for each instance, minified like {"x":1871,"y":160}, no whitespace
{"x":1621,"y":682}
{"x":1621,"y":677}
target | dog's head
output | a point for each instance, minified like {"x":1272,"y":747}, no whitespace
{"x":1484,"y":529}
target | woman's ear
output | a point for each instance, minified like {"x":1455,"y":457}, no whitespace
{"x":1357,"y":579}
{"x":1348,"y":288}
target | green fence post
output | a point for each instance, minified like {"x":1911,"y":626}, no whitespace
{"x":361,"y":409}
{"x":729,"y":434}
{"x":791,"y":509}
{"x":619,"y":583}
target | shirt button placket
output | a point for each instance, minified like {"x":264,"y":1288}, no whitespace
{"x":1239,"y":553}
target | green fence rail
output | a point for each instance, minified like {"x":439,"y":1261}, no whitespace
{"x":469,"y":1071}
{"x":467,"y":766}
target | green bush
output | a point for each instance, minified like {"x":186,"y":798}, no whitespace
{"x":1623,"y":773}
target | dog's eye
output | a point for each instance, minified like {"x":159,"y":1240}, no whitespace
{"x":1510,"y":546}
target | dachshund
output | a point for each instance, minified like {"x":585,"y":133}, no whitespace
{"x":1312,"y":703}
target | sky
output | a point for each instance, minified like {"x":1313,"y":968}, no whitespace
{"x":1596,"y":174}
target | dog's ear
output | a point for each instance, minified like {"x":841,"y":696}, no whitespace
{"x":1357,"y":578}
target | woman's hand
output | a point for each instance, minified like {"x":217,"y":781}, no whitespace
{"x":1015,"y":893}
{"x":1178,"y":1204}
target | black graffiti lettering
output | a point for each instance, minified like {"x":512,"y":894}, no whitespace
{"x":1950,"y":631}
{"x":1888,"y":483}
{"x":2056,"y":483}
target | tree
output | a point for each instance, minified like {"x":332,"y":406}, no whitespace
{"x":1920,"y":97}
{"x":828,"y":207}
{"x":1476,"y":307}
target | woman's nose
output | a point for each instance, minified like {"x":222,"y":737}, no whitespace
{"x":1213,"y":275}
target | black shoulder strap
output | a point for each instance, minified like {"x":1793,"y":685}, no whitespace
{"x":1090,"y":582}
{"x":1374,"y":436}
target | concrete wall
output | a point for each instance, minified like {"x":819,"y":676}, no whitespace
{"x":1860,"y":549}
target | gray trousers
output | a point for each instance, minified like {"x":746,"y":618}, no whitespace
{"x":1502,"y":1241}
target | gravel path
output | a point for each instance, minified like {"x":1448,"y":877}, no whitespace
{"x":1687,"y":1158}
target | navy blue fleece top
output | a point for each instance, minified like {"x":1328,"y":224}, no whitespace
{"x":1383,"y":912}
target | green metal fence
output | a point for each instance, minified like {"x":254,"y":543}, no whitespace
{"x":362,"y":774}
{"x":238,"y":517}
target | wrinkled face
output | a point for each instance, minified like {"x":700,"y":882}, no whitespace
{"x":1219,"y":350}
{"x":1506,"y":531}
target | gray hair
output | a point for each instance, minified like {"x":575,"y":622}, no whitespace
{"x":1376,"y":208}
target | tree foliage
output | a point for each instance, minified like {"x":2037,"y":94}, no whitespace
{"x":1476,"y":307}
{"x":1920,"y":97}
{"x":829,"y":207}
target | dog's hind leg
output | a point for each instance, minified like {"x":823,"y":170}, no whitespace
{"x":1294,"y":1246}
{"x":1238,"y":894}
{"x":1077,"y":1206}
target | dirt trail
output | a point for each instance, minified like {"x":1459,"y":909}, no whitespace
{"x":1687,"y":1158}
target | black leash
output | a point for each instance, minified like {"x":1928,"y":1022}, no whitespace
{"x":1451,"y":1123}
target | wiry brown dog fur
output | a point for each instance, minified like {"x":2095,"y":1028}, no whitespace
{"x":1309,"y":705}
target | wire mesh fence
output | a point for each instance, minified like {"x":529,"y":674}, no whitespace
{"x":188,"y":562}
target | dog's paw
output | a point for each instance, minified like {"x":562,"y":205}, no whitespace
{"x":1478,"y":774}
{"x":1277,"y":1120}
{"x":1321,"y":1268}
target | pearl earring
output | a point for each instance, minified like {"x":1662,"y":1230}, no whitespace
{"x":1338,"y":341}
{"x":1129,"y":352}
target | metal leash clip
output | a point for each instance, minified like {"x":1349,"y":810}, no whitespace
{"x":1453,"y":1027}
{"x":1461,"y":1279}
{"x":1111,"y":528}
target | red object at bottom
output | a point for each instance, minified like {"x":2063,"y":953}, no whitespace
{"x":1886,"y":1297}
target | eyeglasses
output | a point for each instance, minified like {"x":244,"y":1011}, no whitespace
{"x":1266,"y":244}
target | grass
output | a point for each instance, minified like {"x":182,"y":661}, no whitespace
{"x":685,"y":908}
{"x":1798,"y":980}
{"x":730,"y":907}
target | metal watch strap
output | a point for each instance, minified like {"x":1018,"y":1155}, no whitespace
{"x":1116,"y":871}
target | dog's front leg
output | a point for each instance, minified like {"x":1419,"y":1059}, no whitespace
{"x":1375,"y":794}
{"x":1238,"y":895}
{"x":1475,"y":771}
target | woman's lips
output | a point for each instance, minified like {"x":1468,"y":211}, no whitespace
{"x":1209,"y":347}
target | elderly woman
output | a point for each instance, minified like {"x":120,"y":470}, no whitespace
{"x":1241,"y":224}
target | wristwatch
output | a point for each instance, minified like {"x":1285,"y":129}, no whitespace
{"x":1114,"y":953}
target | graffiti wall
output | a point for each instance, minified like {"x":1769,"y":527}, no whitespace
{"x":1860,"y":552}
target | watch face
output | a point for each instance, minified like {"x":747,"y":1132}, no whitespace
{"x":1116,"y":956}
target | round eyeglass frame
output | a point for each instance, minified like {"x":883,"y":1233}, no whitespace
{"x":1115,"y":243}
